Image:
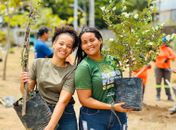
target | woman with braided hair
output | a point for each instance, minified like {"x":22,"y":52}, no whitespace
{"x":94,"y":82}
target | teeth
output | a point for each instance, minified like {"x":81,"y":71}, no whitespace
{"x":63,"y":53}
{"x":90,"y":49}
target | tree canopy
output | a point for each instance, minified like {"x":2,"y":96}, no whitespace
{"x":137,"y":40}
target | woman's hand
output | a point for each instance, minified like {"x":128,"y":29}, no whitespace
{"x":24,"y":77}
{"x":118,"y":107}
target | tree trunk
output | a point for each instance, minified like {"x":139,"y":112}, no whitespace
{"x":7,"y":45}
{"x":5,"y":64}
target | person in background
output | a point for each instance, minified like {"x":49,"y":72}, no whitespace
{"x":173,"y":85}
{"x":94,"y":82}
{"x":54,"y":78}
{"x":42,"y":50}
{"x":162,"y":66}
{"x":142,"y":73}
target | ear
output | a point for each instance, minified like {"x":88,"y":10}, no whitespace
{"x":101,"y":45}
{"x":53,"y":45}
{"x":101,"y":40}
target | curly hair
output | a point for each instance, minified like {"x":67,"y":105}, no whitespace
{"x":68,"y":30}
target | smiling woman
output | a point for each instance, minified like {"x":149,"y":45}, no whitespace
{"x":91,"y":45}
{"x":54,"y":80}
{"x":63,"y":46}
{"x":96,"y":92}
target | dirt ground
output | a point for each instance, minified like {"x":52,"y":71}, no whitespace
{"x":154,"y":115}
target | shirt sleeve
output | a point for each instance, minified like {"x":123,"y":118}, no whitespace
{"x":33,"y":70}
{"x":83,"y":77}
{"x":69,"y":83}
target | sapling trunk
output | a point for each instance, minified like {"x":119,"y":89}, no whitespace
{"x":25,"y":57}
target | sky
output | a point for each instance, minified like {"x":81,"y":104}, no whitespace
{"x":166,"y":4}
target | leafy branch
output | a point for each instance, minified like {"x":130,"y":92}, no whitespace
{"x":137,"y":40}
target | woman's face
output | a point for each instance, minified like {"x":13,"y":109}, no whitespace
{"x":63,"y":46}
{"x":90,"y":44}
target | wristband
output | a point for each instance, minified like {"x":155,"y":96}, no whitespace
{"x":112,"y":107}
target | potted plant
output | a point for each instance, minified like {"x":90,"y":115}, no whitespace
{"x":136,"y":41}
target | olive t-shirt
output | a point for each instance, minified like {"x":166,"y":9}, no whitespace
{"x":98,"y":76}
{"x":52,"y":79}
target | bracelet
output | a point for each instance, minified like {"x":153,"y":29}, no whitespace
{"x":112,"y":107}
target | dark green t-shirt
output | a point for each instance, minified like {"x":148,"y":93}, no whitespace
{"x":98,"y":76}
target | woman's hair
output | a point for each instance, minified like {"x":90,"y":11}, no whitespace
{"x":80,"y":53}
{"x":67,"y":30}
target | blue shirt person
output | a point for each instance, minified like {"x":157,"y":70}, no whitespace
{"x":42,"y":50}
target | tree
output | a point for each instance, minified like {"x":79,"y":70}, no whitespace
{"x":15,"y":14}
{"x":58,"y":6}
{"x":131,"y":5}
{"x":6,"y":5}
{"x":12,"y":17}
{"x":136,"y":5}
{"x":62,"y":8}
{"x":137,"y":41}
{"x":12,"y":13}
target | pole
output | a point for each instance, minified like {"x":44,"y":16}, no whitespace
{"x":85,"y":12}
{"x":8,"y":43}
{"x":75,"y":24}
{"x":91,"y":13}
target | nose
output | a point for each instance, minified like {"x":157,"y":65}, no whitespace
{"x":64,"y":46}
{"x":89,"y":43}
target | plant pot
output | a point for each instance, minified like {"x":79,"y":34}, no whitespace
{"x":37,"y":115}
{"x":129,"y":90}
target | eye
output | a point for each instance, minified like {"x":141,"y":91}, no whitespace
{"x":69,"y":46}
{"x":61,"y":43}
{"x":92,"y":40}
{"x":84,"y":42}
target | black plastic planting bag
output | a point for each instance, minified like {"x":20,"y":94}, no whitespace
{"x":129,"y":90}
{"x":37,"y":114}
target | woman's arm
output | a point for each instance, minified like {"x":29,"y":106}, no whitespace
{"x":87,"y":101}
{"x":64,"y":99}
{"x":24,"y":77}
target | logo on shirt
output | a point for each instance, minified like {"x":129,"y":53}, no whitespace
{"x":108,"y":78}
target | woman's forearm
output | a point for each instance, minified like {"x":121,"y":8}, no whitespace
{"x":87,"y":100}
{"x":30,"y":85}
{"x":95,"y":104}
{"x":57,"y":113}
{"x":64,"y":99}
